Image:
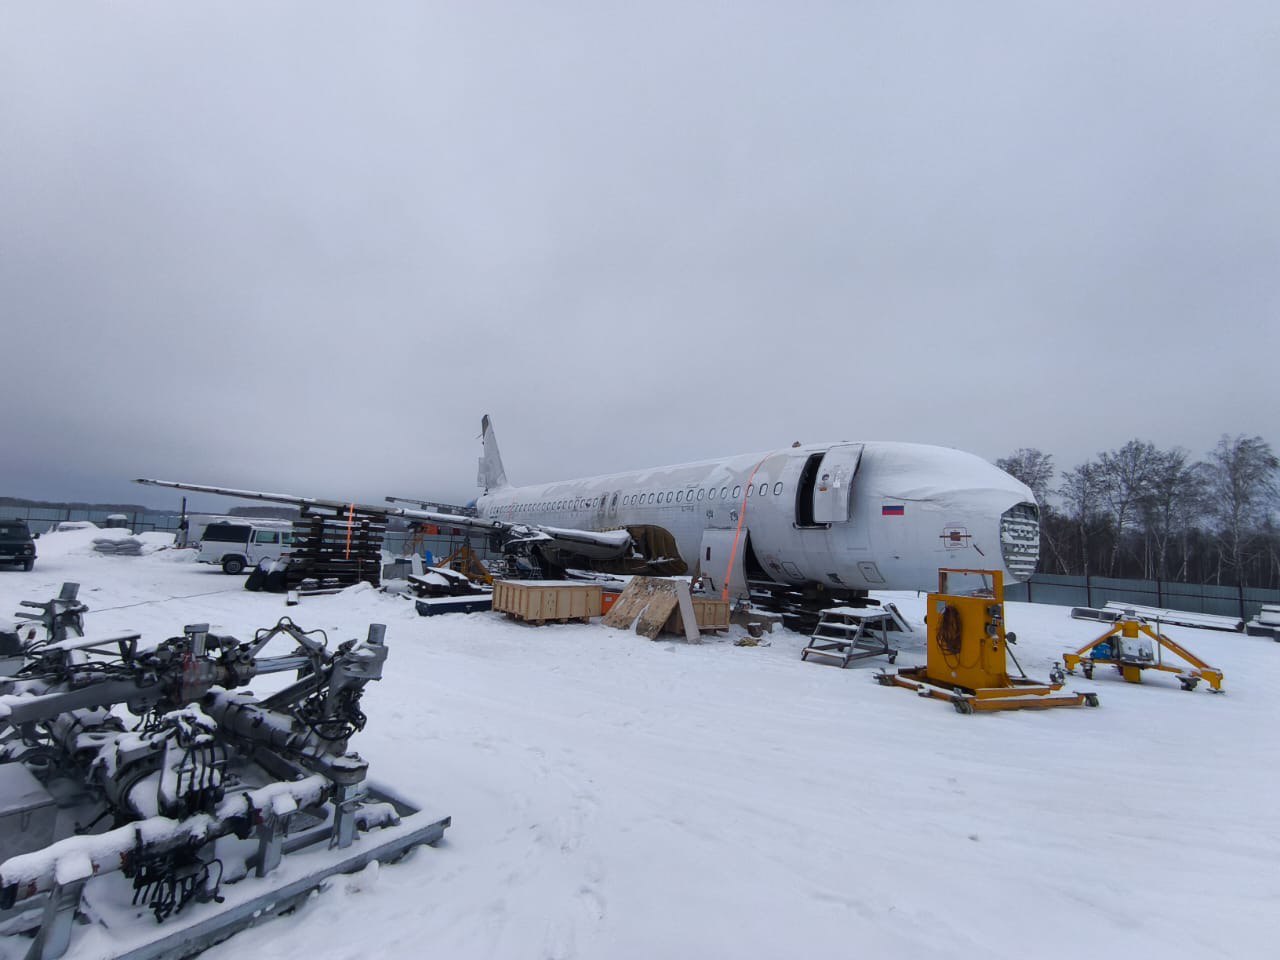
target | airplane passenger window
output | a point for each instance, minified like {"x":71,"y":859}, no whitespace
{"x":723,"y":491}
{"x":651,"y":498}
{"x":679,"y":495}
{"x":736,"y":491}
{"x":690,"y":494}
{"x":764,"y":488}
{"x":777,"y":489}
{"x":700,"y":493}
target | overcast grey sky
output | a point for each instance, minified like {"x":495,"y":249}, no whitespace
{"x":304,"y":245}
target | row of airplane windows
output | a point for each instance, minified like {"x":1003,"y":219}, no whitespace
{"x":636,"y":499}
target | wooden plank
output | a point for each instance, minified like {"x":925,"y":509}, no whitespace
{"x":684,"y":607}
{"x":657,"y":613}
{"x":647,"y":602}
{"x":630,"y":604}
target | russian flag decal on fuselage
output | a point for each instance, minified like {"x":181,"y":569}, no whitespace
{"x":893,"y":510}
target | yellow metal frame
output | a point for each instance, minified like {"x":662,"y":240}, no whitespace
{"x":966,"y":655}
{"x":1131,"y":628}
{"x":465,"y":561}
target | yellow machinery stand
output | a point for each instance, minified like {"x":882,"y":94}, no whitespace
{"x":1126,"y":652}
{"x":464,"y":561}
{"x":966,"y":653}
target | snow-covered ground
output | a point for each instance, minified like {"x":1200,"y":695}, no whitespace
{"x":616,"y":797}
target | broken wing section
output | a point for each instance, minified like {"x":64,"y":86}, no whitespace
{"x":590,"y":544}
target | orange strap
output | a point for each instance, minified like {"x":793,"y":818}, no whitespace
{"x":351,"y":515}
{"x":737,"y":535}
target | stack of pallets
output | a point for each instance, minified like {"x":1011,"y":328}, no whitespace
{"x":336,"y":548}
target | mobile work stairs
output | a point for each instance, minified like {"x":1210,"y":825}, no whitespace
{"x":846,"y":634}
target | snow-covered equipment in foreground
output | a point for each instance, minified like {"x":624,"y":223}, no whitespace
{"x":1131,"y":646}
{"x":214,"y":809}
{"x":846,"y":634}
{"x":61,"y":617}
{"x":966,"y":654}
{"x":1266,"y":623}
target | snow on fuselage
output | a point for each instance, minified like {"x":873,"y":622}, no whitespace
{"x":874,"y":515}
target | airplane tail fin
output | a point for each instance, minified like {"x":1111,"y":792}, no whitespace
{"x":492,"y":476}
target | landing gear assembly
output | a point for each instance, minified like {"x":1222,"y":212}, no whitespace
{"x":136,"y":779}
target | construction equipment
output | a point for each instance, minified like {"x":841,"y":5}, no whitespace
{"x":846,"y":634}
{"x":1132,"y":646}
{"x":966,"y":654}
{"x":466,"y":561}
{"x":187,"y":812}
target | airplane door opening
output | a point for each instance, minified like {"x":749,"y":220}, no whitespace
{"x":804,"y":492}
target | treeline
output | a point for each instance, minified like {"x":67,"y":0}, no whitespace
{"x":1142,"y":512}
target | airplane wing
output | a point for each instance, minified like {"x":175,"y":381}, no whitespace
{"x":594,"y":544}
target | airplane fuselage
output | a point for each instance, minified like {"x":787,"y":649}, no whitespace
{"x":848,"y":516}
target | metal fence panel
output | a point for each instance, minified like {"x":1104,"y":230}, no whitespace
{"x":1098,"y":591}
{"x":1064,"y":594}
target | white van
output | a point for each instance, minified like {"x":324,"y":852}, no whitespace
{"x":237,"y":544}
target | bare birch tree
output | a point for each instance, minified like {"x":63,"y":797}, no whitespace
{"x":1125,"y":476}
{"x":1242,"y":491}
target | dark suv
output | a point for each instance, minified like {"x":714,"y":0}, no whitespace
{"x":16,"y":545}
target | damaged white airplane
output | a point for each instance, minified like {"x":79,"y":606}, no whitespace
{"x":835,"y":518}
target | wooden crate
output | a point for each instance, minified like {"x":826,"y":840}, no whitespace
{"x":710,"y":614}
{"x":542,"y":601}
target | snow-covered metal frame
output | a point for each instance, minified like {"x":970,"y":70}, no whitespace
{"x":264,"y":789}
